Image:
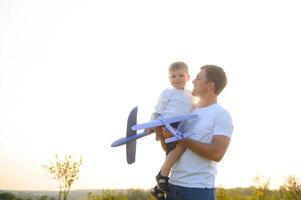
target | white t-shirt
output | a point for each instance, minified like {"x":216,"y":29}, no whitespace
{"x":192,"y":170}
{"x":174,"y":102}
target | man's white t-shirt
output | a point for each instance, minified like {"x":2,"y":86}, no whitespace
{"x":192,"y":170}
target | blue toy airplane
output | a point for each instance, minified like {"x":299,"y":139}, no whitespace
{"x":132,"y":127}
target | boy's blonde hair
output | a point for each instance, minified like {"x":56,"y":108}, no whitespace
{"x":178,"y":65}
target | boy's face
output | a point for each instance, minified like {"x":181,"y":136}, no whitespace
{"x":178,"y":78}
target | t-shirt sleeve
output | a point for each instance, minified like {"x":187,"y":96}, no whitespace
{"x":223,"y":124}
{"x":162,"y":102}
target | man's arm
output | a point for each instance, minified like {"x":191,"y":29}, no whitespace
{"x":212,"y":151}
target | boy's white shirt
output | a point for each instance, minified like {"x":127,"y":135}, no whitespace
{"x":192,"y":170}
{"x":174,"y":102}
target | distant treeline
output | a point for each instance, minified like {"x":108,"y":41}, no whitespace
{"x":289,"y":191}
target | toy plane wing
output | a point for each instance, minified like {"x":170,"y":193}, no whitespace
{"x":174,"y":138}
{"x":158,"y":122}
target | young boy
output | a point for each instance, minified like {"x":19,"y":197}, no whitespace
{"x":172,"y":102}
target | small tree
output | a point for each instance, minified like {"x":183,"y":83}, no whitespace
{"x":262,"y":190}
{"x":291,"y":190}
{"x":65,"y":172}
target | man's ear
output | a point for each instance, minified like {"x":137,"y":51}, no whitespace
{"x":211,"y":85}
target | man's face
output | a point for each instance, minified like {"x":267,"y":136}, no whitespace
{"x":178,"y":78}
{"x":200,"y":84}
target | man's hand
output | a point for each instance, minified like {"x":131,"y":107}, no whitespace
{"x":159,"y":133}
{"x":160,"y":136}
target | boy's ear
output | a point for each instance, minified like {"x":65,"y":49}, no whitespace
{"x":188,"y":77}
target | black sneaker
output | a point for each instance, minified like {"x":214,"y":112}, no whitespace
{"x":158,"y":194}
{"x":162,"y":182}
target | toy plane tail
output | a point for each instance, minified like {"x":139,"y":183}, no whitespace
{"x":131,"y":146}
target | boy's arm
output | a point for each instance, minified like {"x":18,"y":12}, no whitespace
{"x":159,"y":109}
{"x":162,"y":101}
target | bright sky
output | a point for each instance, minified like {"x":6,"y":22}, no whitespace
{"x":70,"y":72}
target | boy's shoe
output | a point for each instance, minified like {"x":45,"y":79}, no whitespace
{"x":162,"y":182}
{"x":158,"y":194}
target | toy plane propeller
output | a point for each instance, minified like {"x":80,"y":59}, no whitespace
{"x":132,"y":135}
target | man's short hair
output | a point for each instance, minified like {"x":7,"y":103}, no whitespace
{"x":217,"y":75}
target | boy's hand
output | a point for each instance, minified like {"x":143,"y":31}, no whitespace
{"x":149,"y":130}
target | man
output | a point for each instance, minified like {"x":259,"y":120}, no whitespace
{"x":193,"y":175}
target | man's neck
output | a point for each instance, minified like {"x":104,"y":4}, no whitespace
{"x":208,"y":100}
